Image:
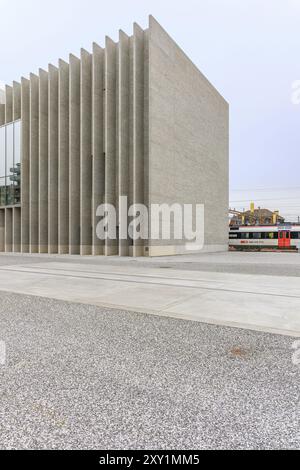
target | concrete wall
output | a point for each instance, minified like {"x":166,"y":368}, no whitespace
{"x":2,"y":107}
{"x":2,"y":96}
{"x":189,"y":141}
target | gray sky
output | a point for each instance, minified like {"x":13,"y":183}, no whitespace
{"x":249,"y":49}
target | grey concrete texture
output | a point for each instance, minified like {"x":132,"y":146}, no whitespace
{"x":34,"y":164}
{"x":53,"y":161}
{"x":2,"y":96}
{"x":8,"y":104}
{"x":86,"y":162}
{"x":272,"y":264}
{"x":74,"y":161}
{"x":82,"y":377}
{"x":189,"y":137}
{"x":2,"y":114}
{"x":43,"y":161}
{"x":63,"y":157}
{"x":219,"y":293}
{"x":98,"y":170}
{"x":25,"y":173}
{"x":16,"y":101}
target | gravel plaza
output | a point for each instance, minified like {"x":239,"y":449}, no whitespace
{"x":82,"y":376}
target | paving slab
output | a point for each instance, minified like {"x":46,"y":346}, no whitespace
{"x":259,"y":302}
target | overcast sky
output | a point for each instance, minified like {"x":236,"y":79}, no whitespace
{"x":249,"y":49}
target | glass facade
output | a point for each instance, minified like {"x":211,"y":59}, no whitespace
{"x":10,"y":164}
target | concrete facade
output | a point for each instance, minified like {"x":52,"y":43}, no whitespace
{"x":135,"y":118}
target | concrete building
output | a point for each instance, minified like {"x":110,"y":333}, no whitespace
{"x":135,"y":118}
{"x":2,"y":96}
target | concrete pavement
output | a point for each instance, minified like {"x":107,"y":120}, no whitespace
{"x":261,"y":302}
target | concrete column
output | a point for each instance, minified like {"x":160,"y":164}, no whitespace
{"x":16,"y":101}
{"x":123,"y":89}
{"x":34,"y":165}
{"x":8,"y":104}
{"x":43,"y":162}
{"x":111,"y":246}
{"x":2,"y":230}
{"x":16,"y":229}
{"x":8,"y":230}
{"x":74,"y":173}
{"x":25,"y":164}
{"x":146,"y":134}
{"x":98,"y":170}
{"x":86,"y":154}
{"x":131,"y":172}
{"x":138,"y":126}
{"x":2,"y":114}
{"x":63,"y":158}
{"x":53,"y":161}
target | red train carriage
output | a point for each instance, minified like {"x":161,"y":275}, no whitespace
{"x":283,"y":237}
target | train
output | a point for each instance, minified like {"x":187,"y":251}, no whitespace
{"x":258,"y":237}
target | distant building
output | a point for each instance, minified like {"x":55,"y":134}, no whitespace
{"x":257,"y":217}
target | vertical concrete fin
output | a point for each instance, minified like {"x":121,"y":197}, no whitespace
{"x":53,"y":161}
{"x":8,"y":230}
{"x":43,"y":160}
{"x":16,"y":221}
{"x":2,"y":230}
{"x":34,"y":165}
{"x":16,"y":101}
{"x":86,"y":154}
{"x":138,"y":126}
{"x":74,"y":174}
{"x":2,"y":109}
{"x":98,"y":183}
{"x":8,"y":104}
{"x":2,"y":114}
{"x":131,"y":173}
{"x":111,"y":245}
{"x":63,"y":158}
{"x":123,"y":96}
{"x":146,"y":133}
{"x":25,"y":163}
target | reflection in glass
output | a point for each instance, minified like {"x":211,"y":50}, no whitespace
{"x":2,"y":152}
{"x":10,"y":164}
{"x":3,"y":191}
{"x":16,"y":174}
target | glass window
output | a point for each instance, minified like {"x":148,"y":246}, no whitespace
{"x":256,"y":235}
{"x":2,"y":191}
{"x":10,"y":164}
{"x":9,"y":148}
{"x":16,"y":176}
{"x":17,"y":142}
{"x":245,"y":236}
{"x":2,"y":151}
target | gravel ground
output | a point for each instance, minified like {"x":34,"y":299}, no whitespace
{"x":82,"y":377}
